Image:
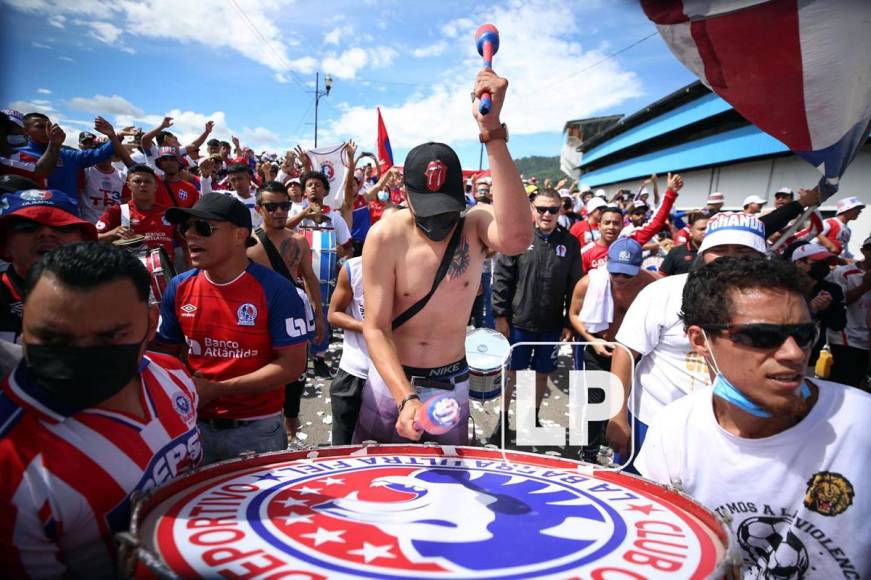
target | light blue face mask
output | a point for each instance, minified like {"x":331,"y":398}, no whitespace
{"x":383,"y":196}
{"x":729,"y":393}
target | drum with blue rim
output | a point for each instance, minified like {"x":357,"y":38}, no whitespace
{"x":419,"y":511}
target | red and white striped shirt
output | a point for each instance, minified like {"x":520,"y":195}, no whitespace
{"x":66,"y":481}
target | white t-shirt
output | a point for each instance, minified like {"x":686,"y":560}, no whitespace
{"x":798,"y":500}
{"x":102,"y":190}
{"x":669,"y":369}
{"x":855,"y":334}
{"x":355,"y":355}
{"x":251,"y":204}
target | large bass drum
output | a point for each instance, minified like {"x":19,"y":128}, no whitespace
{"x":419,"y":511}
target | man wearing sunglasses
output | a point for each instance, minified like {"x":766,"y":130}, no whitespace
{"x":783,"y":457}
{"x":244,"y":326}
{"x":32,"y":223}
{"x":668,"y":368}
{"x":288,"y":253}
{"x":533,"y":291}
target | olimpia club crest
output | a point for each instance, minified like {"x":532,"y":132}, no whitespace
{"x":425,"y":512}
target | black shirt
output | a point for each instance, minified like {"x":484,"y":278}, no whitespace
{"x":534,"y":290}
{"x":679,"y":260}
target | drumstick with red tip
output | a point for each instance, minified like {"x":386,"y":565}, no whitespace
{"x":438,"y":415}
{"x":487,"y":41}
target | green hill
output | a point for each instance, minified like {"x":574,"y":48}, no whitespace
{"x":540,"y":167}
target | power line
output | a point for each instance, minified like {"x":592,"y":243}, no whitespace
{"x":268,"y":44}
{"x":608,"y":57}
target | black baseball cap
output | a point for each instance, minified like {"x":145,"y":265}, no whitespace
{"x":86,"y":136}
{"x":214,"y":206}
{"x":213,"y":143}
{"x":434,"y":180}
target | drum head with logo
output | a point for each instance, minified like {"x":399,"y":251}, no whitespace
{"x":411,"y":511}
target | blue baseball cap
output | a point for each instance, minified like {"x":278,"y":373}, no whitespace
{"x":624,"y":257}
{"x":50,"y":207}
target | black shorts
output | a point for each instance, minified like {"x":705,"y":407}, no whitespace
{"x":346,"y":396}
{"x":292,"y":397}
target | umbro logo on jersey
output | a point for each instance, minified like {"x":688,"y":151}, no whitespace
{"x":188,"y":310}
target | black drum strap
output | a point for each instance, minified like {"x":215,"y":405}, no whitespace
{"x":440,"y":274}
{"x":272,"y":253}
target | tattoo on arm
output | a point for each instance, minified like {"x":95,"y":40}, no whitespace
{"x":461,"y":260}
{"x":289,"y":250}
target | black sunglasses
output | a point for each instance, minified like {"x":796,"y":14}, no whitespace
{"x":272,"y":206}
{"x":201,"y":227}
{"x":544,"y":210}
{"x":769,"y":336}
{"x":25,"y":226}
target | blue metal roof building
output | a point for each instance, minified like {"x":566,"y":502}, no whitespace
{"x":696,"y":133}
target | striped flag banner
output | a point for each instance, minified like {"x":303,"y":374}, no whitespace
{"x":798,"y":69}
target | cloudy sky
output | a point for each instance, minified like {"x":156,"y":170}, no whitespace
{"x":250,"y":65}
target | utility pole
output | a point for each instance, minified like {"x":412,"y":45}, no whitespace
{"x":328,"y":85}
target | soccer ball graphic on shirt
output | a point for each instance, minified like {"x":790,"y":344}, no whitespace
{"x":774,"y":551}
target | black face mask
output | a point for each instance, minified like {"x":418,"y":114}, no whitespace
{"x":819,"y":270}
{"x":437,"y":227}
{"x":79,"y":377}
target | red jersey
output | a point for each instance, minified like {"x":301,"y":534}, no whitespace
{"x":152,"y":224}
{"x":593,"y":255}
{"x":177,"y":194}
{"x":585,"y":232}
{"x":67,"y":480}
{"x":234,"y":329}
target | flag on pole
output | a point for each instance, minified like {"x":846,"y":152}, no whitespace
{"x":385,"y":153}
{"x":799,"y":71}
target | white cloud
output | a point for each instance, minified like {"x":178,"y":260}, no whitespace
{"x":40,"y":45}
{"x":104,"y":31}
{"x":540,"y":98}
{"x":432,"y":50}
{"x":347,"y":64}
{"x":34,"y":106}
{"x":249,"y":27}
{"x":456,"y":27}
{"x":43,"y":91}
{"x":261,"y":136}
{"x":335,"y":35}
{"x":66,"y":59}
{"x":103,"y":105}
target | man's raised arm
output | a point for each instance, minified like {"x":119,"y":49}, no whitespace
{"x":510,"y":229}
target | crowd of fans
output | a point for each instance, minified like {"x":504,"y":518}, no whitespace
{"x":267,"y":270}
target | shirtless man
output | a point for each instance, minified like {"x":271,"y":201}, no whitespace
{"x":404,"y":250}
{"x":292,"y":248}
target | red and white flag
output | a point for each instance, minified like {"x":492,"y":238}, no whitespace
{"x":798,"y":70}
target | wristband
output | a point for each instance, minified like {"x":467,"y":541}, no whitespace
{"x":407,"y":398}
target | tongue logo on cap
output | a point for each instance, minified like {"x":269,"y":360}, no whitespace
{"x":436,"y":174}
